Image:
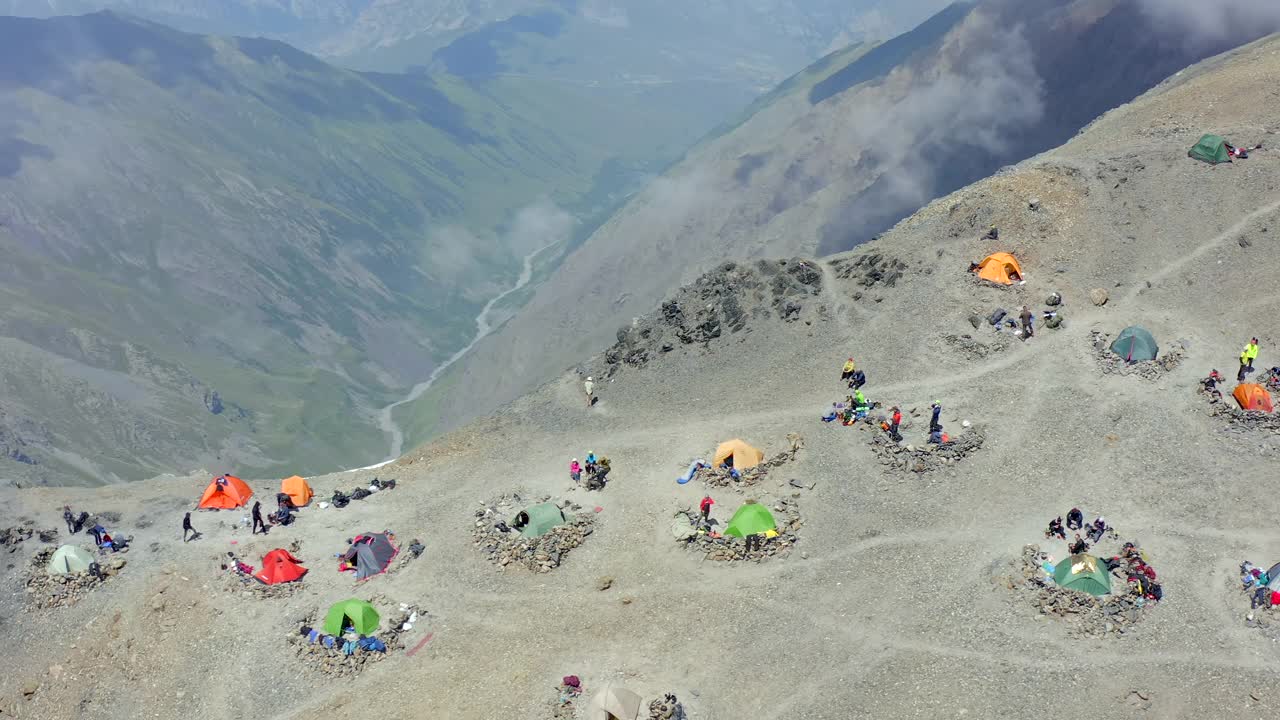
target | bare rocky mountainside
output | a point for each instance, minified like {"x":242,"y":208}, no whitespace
{"x":842,"y":152}
{"x":905,"y":582}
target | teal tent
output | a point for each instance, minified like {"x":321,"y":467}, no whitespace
{"x":751,"y":519}
{"x":537,"y":520}
{"x":1211,"y":149}
{"x":1135,"y":344}
{"x":352,"y":613}
{"x":1084,"y":573}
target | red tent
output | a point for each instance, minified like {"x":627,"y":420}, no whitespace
{"x":224,"y":493}
{"x":278,"y":566}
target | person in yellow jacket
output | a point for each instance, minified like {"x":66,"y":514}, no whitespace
{"x":849,"y":368}
{"x":1247,"y":356}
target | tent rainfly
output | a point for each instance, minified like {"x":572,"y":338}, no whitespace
{"x":1084,"y":573}
{"x":537,"y":520}
{"x":1000,"y":268}
{"x":750,"y":519}
{"x":1135,"y":344}
{"x":353,"y":613}
{"x":225,"y":492}
{"x":69,"y":559}
{"x":738,"y":454}
{"x":1211,"y":149}
{"x":614,"y":703}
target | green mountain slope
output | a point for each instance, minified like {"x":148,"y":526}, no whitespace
{"x":224,"y":252}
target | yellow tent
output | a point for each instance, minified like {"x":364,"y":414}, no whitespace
{"x":997,"y":268}
{"x":297,"y":489}
{"x":743,"y":455}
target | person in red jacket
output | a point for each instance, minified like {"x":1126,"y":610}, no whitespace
{"x":705,"y":507}
{"x":894,"y":421}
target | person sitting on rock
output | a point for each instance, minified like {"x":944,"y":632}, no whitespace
{"x":857,"y":379}
{"x":1075,"y":519}
{"x":1211,"y":386}
{"x":1078,"y":546}
{"x":1096,"y":529}
{"x":1055,"y":529}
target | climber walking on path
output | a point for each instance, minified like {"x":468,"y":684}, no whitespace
{"x":589,"y":386}
{"x":1247,"y":356}
{"x":186,"y":528}
{"x":934,"y":424}
{"x":70,"y":518}
{"x":1027,"y":319}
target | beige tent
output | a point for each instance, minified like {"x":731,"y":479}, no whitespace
{"x":68,"y":560}
{"x":614,"y":703}
{"x":743,"y":455}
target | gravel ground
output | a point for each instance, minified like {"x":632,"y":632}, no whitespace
{"x":886,"y":610}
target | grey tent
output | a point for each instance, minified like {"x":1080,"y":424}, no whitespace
{"x":1273,"y":577}
{"x":68,"y":560}
{"x":370,"y":554}
{"x":614,"y":703}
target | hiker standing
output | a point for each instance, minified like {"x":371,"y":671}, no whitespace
{"x":1027,"y":330}
{"x":589,"y":386}
{"x":705,"y":508}
{"x":894,"y":421}
{"x":1247,"y":356}
{"x":849,"y":368}
{"x":934,"y":425}
{"x":257,"y":519}
{"x":70,"y":519}
{"x":186,"y":528}
{"x":96,"y":531}
{"x":575,"y":471}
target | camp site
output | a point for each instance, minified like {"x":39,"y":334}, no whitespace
{"x":936,"y":381}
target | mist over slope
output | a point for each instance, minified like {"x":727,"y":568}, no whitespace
{"x":845,"y":155}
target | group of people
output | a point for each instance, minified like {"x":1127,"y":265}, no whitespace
{"x":1093,"y":531}
{"x":1259,"y":582}
{"x":596,"y":470}
{"x":1130,"y":563}
{"x":856,"y":407}
{"x":102,"y":540}
{"x":1250,"y":353}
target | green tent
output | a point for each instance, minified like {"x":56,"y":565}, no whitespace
{"x":1211,"y":149}
{"x":353,"y":613}
{"x":1135,"y":344}
{"x":70,"y":559}
{"x":1084,"y":573}
{"x":537,"y":520}
{"x":750,"y":519}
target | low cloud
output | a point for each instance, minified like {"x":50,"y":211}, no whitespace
{"x":972,"y":107}
{"x":1215,"y":21}
{"x":537,"y":225}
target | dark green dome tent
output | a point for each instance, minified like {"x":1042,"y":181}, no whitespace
{"x":1211,"y":149}
{"x":1084,"y":573}
{"x":1135,"y":344}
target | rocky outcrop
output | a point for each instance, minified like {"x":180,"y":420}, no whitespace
{"x":720,"y":303}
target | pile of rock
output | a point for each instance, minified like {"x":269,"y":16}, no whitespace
{"x":666,"y":708}
{"x":49,"y":591}
{"x":975,"y":349}
{"x":719,"y":303}
{"x":1112,"y":364}
{"x":507,"y":547}
{"x":1087,"y":615}
{"x":869,"y":270}
{"x":1240,"y":420}
{"x":332,"y":661}
{"x":723,"y":478}
{"x":234,"y":582}
{"x":725,"y":548}
{"x":925,"y":457}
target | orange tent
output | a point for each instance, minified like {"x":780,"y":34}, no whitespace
{"x":297,"y":489}
{"x":225,"y":493}
{"x":278,"y":566}
{"x":744,"y":456}
{"x":998,"y":267}
{"x":1253,"y":397}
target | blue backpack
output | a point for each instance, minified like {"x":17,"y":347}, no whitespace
{"x":373,"y":644}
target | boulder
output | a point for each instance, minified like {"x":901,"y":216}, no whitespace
{"x":1098,"y":296}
